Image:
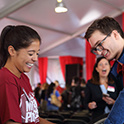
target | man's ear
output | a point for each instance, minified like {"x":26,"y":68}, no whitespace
{"x":116,"y":34}
{"x":11,"y":50}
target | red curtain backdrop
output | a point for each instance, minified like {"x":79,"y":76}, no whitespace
{"x":64,"y":60}
{"x":90,"y":61}
{"x":43,"y":62}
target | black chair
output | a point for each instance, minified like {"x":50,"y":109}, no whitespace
{"x":74,"y":121}
{"x":81,"y":116}
{"x":56,"y":115}
{"x":43,"y":114}
{"x":55,"y":120}
{"x":53,"y":111}
{"x":65,"y":114}
{"x":99,"y":120}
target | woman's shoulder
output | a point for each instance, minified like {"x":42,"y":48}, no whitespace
{"x":5,"y":74}
{"x":56,"y":92}
{"x":90,"y":84}
{"x":6,"y":77}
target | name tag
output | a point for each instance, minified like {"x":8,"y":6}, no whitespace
{"x":111,"y":89}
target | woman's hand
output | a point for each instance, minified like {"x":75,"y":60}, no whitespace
{"x":108,"y":100}
{"x":92,"y":105}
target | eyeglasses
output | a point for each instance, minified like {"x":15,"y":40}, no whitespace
{"x":98,"y":46}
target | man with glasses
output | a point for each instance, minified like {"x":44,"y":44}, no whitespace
{"x":107,"y":39}
{"x":98,"y":46}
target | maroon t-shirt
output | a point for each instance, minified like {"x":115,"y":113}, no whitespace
{"x":17,"y":100}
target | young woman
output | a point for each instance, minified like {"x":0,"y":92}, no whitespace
{"x":97,"y":89}
{"x":19,"y":48}
{"x":52,"y":89}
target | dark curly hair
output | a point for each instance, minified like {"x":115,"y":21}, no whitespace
{"x":105,"y":25}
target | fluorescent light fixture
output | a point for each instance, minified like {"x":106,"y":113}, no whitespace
{"x":90,"y":17}
{"x":60,"y":7}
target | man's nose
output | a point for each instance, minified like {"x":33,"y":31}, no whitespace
{"x":99,"y":52}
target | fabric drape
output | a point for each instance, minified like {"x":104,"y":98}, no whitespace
{"x":64,"y":60}
{"x":43,"y":62}
{"x":90,"y":61}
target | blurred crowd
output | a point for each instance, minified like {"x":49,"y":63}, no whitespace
{"x":71,"y":98}
{"x":81,"y":95}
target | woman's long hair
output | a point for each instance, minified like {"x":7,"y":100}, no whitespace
{"x":50,"y":89}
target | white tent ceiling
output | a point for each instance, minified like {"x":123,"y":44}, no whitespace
{"x":59,"y":31}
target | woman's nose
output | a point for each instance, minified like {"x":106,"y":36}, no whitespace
{"x":35,"y":57}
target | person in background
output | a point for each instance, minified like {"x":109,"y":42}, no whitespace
{"x":19,"y":48}
{"x":44,"y":90}
{"x":37,"y":92}
{"x":56,"y":83}
{"x":50,"y":91}
{"x":75,"y":95}
{"x":58,"y":88}
{"x":83,"y":87}
{"x":83,"y":83}
{"x":43,"y":103}
{"x":77,"y":88}
{"x":107,"y":39}
{"x":65,"y":100}
{"x":100,"y":83}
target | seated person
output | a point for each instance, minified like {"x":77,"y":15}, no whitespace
{"x":50,"y":91}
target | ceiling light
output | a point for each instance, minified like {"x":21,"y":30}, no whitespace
{"x":60,"y":7}
{"x":59,"y":1}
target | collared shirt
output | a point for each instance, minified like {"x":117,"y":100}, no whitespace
{"x":118,"y":77}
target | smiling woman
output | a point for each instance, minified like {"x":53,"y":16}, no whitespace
{"x":19,"y":48}
{"x":99,"y":96}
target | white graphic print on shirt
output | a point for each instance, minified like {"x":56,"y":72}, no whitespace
{"x":28,"y":106}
